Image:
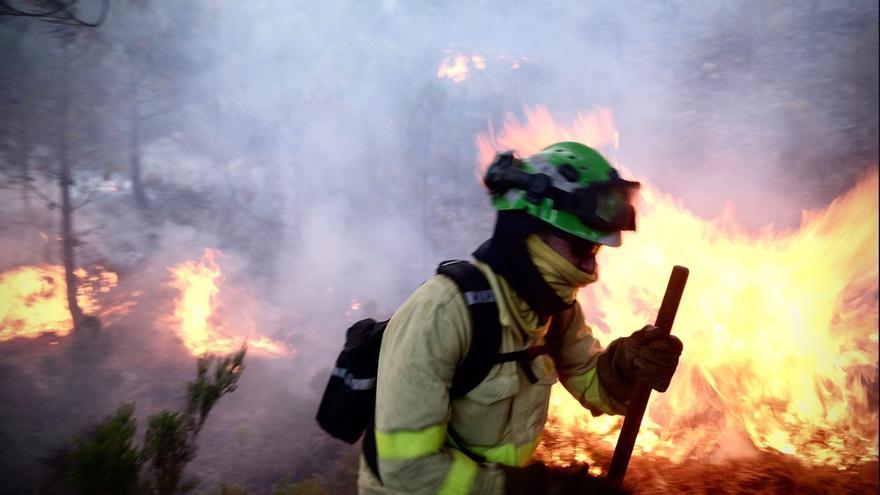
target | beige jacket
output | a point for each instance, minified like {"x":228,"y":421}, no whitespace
{"x":501,"y":419}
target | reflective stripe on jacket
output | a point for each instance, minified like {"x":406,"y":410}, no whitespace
{"x":501,"y":419}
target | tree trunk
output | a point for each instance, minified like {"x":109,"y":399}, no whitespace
{"x":68,"y":239}
{"x":134,"y":147}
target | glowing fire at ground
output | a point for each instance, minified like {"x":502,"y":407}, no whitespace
{"x":33,"y":299}
{"x":780,"y":327}
{"x":204,"y":326}
{"x":457,"y":67}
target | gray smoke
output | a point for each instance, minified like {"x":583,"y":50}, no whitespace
{"x":315,"y":145}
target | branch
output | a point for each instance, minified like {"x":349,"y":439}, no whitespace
{"x":47,"y":199}
{"x":57,"y":11}
{"x":6,"y":9}
{"x":88,"y":232}
{"x":89,"y":200}
{"x":155,"y":113}
{"x":205,"y":391}
{"x":158,"y":95}
{"x":90,"y":196}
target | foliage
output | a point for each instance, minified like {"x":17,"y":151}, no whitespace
{"x":104,"y":461}
{"x":57,"y":12}
{"x":206,"y":390}
{"x":168,"y":446}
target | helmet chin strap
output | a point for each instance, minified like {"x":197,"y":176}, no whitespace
{"x":508,"y":256}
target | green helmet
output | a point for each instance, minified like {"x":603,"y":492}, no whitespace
{"x":569,"y":186}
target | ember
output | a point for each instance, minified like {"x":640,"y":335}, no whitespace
{"x":780,"y":328}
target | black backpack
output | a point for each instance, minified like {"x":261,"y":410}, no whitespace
{"x":347,"y":407}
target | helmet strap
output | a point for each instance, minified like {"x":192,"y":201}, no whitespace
{"x":508,"y":256}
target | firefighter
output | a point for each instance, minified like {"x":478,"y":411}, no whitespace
{"x":555,"y":210}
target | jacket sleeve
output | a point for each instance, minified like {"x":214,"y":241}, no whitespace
{"x":576,"y":362}
{"x":422,"y":346}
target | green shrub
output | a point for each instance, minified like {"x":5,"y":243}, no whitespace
{"x":104,"y":461}
{"x":168,"y":447}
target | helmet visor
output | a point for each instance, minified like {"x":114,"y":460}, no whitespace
{"x":607,"y":206}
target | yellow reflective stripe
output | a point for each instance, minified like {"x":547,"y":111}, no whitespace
{"x":588,"y":385}
{"x":461,"y":475}
{"x":586,"y":388}
{"x":509,"y":454}
{"x":402,"y":445}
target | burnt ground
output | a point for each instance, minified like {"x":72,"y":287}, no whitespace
{"x":765,"y":473}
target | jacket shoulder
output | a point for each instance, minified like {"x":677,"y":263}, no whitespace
{"x":436,"y":316}
{"x":439,"y":290}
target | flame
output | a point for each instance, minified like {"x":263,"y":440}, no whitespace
{"x":33,"y":299}
{"x":455,"y":68}
{"x":595,"y":128}
{"x":203,"y":327}
{"x":354,"y":310}
{"x":780,"y":327}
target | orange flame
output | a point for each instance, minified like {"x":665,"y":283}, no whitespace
{"x":33,"y":299}
{"x":780,"y":328}
{"x":201,"y":327}
{"x":455,"y":68}
{"x":595,"y":128}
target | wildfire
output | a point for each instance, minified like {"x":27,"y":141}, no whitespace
{"x":780,"y":327}
{"x":457,"y":67}
{"x":205,"y":325}
{"x":33,"y":299}
{"x":596,"y":128}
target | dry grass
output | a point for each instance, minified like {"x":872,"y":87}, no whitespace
{"x":766,"y":473}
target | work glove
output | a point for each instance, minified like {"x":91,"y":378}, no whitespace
{"x":550,"y":480}
{"x":648,"y":355}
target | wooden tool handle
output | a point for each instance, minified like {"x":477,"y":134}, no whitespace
{"x":636,"y":410}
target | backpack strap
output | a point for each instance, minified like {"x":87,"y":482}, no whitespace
{"x":486,"y":329}
{"x":483,"y":353}
{"x":480,"y":358}
{"x":368,"y":446}
{"x":525,"y":356}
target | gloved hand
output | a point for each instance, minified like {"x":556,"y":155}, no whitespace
{"x":648,"y":355}
{"x":540,"y":478}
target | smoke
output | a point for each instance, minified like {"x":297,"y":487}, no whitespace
{"x":315,"y":145}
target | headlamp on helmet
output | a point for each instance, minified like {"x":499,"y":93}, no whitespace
{"x":568,"y":185}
